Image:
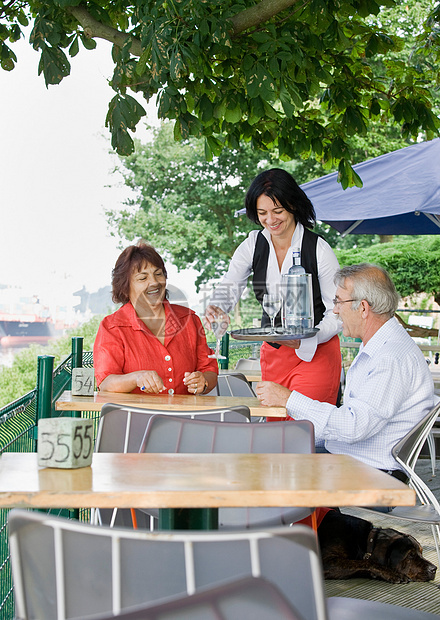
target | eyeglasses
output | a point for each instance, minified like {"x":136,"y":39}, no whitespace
{"x":337,"y":301}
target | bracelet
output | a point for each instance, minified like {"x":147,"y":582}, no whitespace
{"x":205,"y":387}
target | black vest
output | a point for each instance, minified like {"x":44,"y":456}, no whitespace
{"x":308,"y":261}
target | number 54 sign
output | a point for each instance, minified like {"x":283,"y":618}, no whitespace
{"x":83,"y":381}
{"x":65,"y":442}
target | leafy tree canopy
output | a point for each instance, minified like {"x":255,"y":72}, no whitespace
{"x":414,"y":267}
{"x":302,"y":76}
{"x":183,"y":204}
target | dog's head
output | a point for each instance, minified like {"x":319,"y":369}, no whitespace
{"x":403,"y":554}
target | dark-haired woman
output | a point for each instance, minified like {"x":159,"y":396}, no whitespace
{"x":276,"y":202}
{"x":150,"y":345}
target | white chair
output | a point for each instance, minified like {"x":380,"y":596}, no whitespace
{"x":422,"y":321}
{"x":406,"y":452}
{"x":173,"y":435}
{"x":251,"y":597}
{"x":63,"y":569}
{"x":232,"y":384}
{"x":248,"y":363}
{"x":121,"y":429}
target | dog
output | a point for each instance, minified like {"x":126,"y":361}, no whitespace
{"x":353,"y":547}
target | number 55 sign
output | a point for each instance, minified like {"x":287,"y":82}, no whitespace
{"x":65,"y":442}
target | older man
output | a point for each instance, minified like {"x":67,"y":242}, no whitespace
{"x":389,"y":386}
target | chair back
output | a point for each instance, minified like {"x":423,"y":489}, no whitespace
{"x":180,"y":435}
{"x":67,"y":569}
{"x":407,"y":450}
{"x":121,"y":429}
{"x":232,"y":384}
{"x":248,"y":363}
{"x":251,"y":597}
{"x":177,"y":435}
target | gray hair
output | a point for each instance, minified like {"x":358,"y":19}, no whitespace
{"x":372,"y":283}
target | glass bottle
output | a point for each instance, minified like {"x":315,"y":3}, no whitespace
{"x":298,"y":297}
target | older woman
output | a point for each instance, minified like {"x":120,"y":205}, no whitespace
{"x":150,"y":345}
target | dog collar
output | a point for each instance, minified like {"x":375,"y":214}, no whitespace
{"x":370,"y":542}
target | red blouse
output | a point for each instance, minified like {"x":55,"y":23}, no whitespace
{"x":124,"y":344}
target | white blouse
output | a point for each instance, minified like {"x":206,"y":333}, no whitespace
{"x":231,"y":286}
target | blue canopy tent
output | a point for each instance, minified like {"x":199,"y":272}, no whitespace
{"x":400,"y":194}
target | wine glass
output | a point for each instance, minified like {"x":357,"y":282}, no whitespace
{"x":271,"y":306}
{"x":219,"y":326}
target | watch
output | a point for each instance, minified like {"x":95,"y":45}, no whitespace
{"x":205,"y":387}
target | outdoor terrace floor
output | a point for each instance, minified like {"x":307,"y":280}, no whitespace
{"x":423,"y":596}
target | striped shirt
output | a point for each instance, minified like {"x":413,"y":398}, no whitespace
{"x":389,"y":388}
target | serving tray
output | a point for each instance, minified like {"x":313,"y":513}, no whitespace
{"x":265,"y":333}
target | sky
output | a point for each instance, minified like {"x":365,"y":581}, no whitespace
{"x":55,"y":172}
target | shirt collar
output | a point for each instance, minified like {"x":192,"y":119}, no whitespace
{"x":172,"y":324}
{"x":377,"y":341}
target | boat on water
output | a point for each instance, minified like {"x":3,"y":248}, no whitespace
{"x":23,"y":329}
{"x":25,"y":319}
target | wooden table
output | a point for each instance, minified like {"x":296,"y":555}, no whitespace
{"x":179,"y":402}
{"x":251,"y":375}
{"x":199,"y":481}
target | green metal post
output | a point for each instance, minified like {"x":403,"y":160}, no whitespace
{"x":224,"y":350}
{"x":44,"y":390}
{"x":77,"y":355}
{"x":77,"y":351}
{"x":188,"y":519}
{"x":44,"y":386}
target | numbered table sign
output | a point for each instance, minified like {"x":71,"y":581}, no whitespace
{"x":83,"y":381}
{"x":65,"y":442}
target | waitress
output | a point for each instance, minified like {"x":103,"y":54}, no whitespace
{"x":312,"y":366}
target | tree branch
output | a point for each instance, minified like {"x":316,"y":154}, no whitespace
{"x":248,"y":18}
{"x":258,"y":14}
{"x":93,"y":28}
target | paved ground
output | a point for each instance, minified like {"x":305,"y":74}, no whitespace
{"x":423,"y":596}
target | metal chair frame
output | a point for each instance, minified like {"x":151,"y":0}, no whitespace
{"x":406,"y":452}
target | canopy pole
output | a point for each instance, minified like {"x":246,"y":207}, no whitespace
{"x":350,"y":228}
{"x":434,"y":218}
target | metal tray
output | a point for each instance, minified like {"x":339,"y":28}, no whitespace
{"x":263,"y":333}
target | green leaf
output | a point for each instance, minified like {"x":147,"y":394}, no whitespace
{"x":206,"y":109}
{"x":142,"y":62}
{"x":74,"y":48}
{"x":7,"y":64}
{"x":54,"y":65}
{"x":177,"y":66}
{"x":89,"y":44}
{"x":286,"y":101}
{"x":375,"y":108}
{"x":234,"y":115}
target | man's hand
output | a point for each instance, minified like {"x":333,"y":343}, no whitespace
{"x":272,"y":394}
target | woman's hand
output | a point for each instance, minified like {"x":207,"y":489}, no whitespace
{"x":195,"y":382}
{"x":149,"y":382}
{"x":292,"y":344}
{"x":213,"y":314}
